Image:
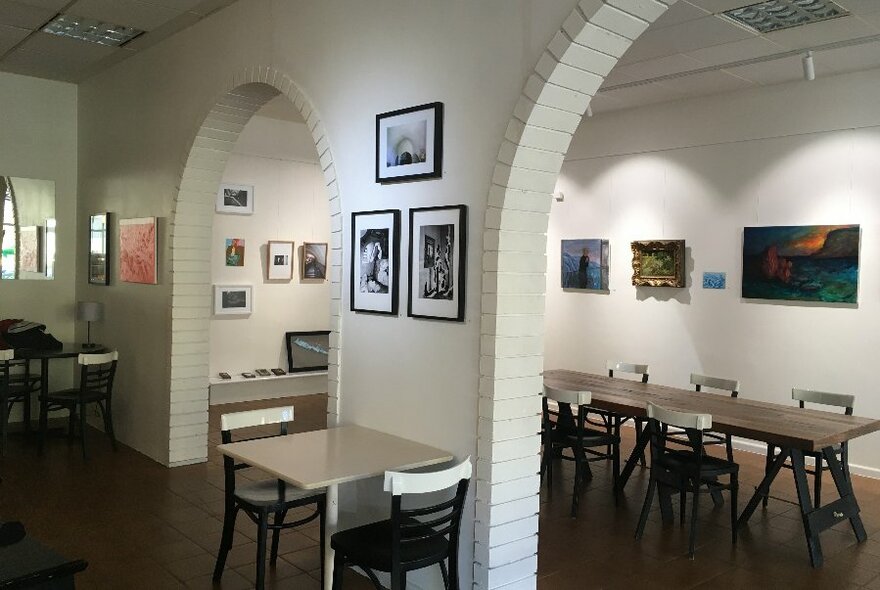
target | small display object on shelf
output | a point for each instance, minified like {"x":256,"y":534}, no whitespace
{"x":224,"y":375}
{"x":279,"y":260}
{"x":409,"y":143}
{"x":138,"y":259}
{"x":279,"y":372}
{"x":263,"y":372}
{"x":233,"y":299}
{"x":375,"y":252}
{"x":314,"y":261}
{"x":98,"y":256}
{"x":714,"y":280}
{"x":235,"y":198}
{"x":248,"y":375}
{"x":658,"y":263}
{"x":307,"y":351}
{"x":585,"y":264}
{"x":437,"y":262}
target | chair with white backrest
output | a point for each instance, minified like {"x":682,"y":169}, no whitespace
{"x":730,"y":386}
{"x":564,"y":428}
{"x":824,"y":398}
{"x":260,"y":499}
{"x":685,"y":470}
{"x":414,"y":537}
{"x":97,"y":372}
{"x":615,"y":368}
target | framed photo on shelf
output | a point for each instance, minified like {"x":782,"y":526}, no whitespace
{"x":437,"y":251}
{"x":409,"y":143}
{"x":658,"y":263}
{"x":279,"y":260}
{"x":314,"y":261}
{"x":307,"y":351}
{"x":375,"y":255}
{"x":138,"y":260}
{"x":233,"y":299}
{"x":98,"y":265}
{"x":235,"y":198}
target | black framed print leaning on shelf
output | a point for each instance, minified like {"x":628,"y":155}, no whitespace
{"x":437,"y":251}
{"x":375,"y":256}
{"x":409,"y":143}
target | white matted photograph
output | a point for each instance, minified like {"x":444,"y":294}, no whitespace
{"x":409,"y":143}
{"x":279,"y":260}
{"x":437,"y":251}
{"x":235,"y":198}
{"x":375,"y":251}
{"x":233,"y":299}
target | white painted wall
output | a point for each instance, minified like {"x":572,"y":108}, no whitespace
{"x":701,"y":170}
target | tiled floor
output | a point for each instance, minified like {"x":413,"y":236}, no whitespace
{"x":140,"y":525}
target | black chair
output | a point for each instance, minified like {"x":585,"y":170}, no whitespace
{"x":17,"y":385}
{"x":260,"y":499}
{"x":413,"y":538}
{"x":563,"y":430}
{"x":97,"y":372}
{"x":710,"y":438}
{"x":839,"y":400}
{"x":641,"y":372}
{"x":686,"y":470}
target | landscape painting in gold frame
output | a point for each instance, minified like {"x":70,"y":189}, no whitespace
{"x":658,"y":263}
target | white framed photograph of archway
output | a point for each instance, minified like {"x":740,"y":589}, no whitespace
{"x":437,"y":251}
{"x":409,"y":143}
{"x":375,"y":255}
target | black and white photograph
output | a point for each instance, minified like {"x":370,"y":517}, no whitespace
{"x":314,"y":261}
{"x":375,"y":239}
{"x":235,"y":198}
{"x":437,"y":250}
{"x":233,"y":299}
{"x":409,"y":143}
{"x":279,"y":260}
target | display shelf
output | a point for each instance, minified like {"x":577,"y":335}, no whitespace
{"x":238,"y":379}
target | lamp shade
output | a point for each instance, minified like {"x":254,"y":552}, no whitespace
{"x":89,"y":311}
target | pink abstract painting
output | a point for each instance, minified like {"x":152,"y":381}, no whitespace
{"x":137,"y":250}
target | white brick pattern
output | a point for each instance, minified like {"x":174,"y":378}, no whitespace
{"x":192,"y":218}
{"x":594,"y":36}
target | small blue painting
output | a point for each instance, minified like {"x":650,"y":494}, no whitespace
{"x":585,"y":264}
{"x":714,"y":280}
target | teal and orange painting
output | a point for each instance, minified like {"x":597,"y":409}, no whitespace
{"x":801,"y":263}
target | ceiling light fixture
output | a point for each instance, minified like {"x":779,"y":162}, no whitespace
{"x":809,"y":66}
{"x":88,"y":29}
{"x":775,"y":15}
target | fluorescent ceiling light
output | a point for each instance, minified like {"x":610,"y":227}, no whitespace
{"x":775,"y":15}
{"x":89,"y":29}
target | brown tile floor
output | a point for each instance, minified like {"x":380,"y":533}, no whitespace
{"x":140,"y":525}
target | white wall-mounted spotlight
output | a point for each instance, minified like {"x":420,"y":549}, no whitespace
{"x":559,"y":197}
{"x":809,"y":66}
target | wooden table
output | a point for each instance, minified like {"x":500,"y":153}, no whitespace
{"x":327,"y":458}
{"x":792,"y":429}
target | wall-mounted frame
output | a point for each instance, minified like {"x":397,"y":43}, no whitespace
{"x":233,"y":252}
{"x":99,"y":269}
{"x":235,"y":198}
{"x":279,"y":260}
{"x":409,"y":143}
{"x":375,"y":256}
{"x":233,"y":299}
{"x":30,"y":245}
{"x":138,"y":261}
{"x":585,"y":264}
{"x":314,"y":261}
{"x":307,"y":351}
{"x":658,"y":263}
{"x":437,"y":262}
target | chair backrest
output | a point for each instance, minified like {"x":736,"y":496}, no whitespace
{"x":692,"y":424}
{"x":633,"y":368}
{"x":684,"y":420}
{"x":6,"y":356}
{"x":701,"y":381}
{"x":840,"y":400}
{"x":233,"y":421}
{"x":568,"y":396}
{"x":97,"y":372}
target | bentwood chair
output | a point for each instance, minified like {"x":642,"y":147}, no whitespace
{"x":640,"y":372}
{"x":686,"y":470}
{"x":260,"y":499}
{"x":562,"y":430}
{"x":414,"y":537}
{"x":97,"y":372}
{"x":16,"y":386}
{"x":838,"y":400}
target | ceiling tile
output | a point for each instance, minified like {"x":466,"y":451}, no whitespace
{"x":872,"y":19}
{"x":641,"y":95}
{"x":206,"y":7}
{"x":847,"y":59}
{"x":716,"y":6}
{"x":685,"y":37}
{"x":176,"y":24}
{"x":860,"y":6}
{"x":174,"y":4}
{"x":778,"y":71}
{"x":23,"y":15}
{"x":10,"y":37}
{"x":124,"y":12}
{"x":679,"y":12}
{"x":53,"y":5}
{"x":652,"y":68}
{"x":708,"y":83}
{"x":616,"y":77}
{"x":65,"y":48}
{"x":603,"y":104}
{"x":34,"y":63}
{"x":736,"y":51}
{"x":829,"y":31}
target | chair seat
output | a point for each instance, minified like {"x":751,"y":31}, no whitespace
{"x":265,"y":493}
{"x":69,"y":396}
{"x":370,"y":546}
{"x":686,"y":462}
{"x":591,"y":438}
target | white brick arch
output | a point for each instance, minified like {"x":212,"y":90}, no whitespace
{"x":191,"y":223}
{"x":589,"y":44}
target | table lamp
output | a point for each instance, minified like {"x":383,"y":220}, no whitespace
{"x":89,"y":311}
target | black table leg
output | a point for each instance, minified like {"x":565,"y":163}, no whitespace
{"x":764,"y":487}
{"x":847,"y":496}
{"x":637,"y":453}
{"x":806,"y":505}
{"x":44,"y":392}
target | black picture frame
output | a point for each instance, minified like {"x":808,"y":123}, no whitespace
{"x":98,"y":266}
{"x":373,"y":234}
{"x":436,"y":291}
{"x":404,"y":135}
{"x":305,"y":343}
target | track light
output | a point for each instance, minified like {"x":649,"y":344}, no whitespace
{"x":809,"y":66}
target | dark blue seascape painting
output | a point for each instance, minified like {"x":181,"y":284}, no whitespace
{"x":585,"y":264}
{"x":801,"y":263}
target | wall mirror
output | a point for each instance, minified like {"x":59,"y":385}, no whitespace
{"x":98,"y":274}
{"x":27,"y":219}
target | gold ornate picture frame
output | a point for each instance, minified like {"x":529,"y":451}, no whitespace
{"x":658,"y":263}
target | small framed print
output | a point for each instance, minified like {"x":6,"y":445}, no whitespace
{"x":714,"y":280}
{"x":437,"y":251}
{"x":233,"y":299}
{"x":279,"y":260}
{"x":375,"y":245}
{"x":235,"y":198}
{"x":314,"y":261}
{"x":409,"y":143}
{"x":98,"y":267}
{"x":234,"y":253}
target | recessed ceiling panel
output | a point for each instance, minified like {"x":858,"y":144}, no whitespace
{"x":776,"y":15}
{"x":64,"y":48}
{"x":840,"y":29}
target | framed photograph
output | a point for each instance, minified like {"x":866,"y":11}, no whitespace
{"x":30,"y":242}
{"x":233,"y":299}
{"x":658,"y":263}
{"x":234,"y":254}
{"x":409,"y":143}
{"x":437,"y":265}
{"x":235,"y":198}
{"x":585,"y":265}
{"x":375,"y":255}
{"x":307,"y":351}
{"x":279,"y":260}
{"x":98,"y":264}
{"x":314,"y":261}
{"x":138,"y":260}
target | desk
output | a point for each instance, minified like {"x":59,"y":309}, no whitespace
{"x":327,"y":458}
{"x":793,"y":429}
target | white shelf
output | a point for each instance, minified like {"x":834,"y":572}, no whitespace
{"x":258,"y":379}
